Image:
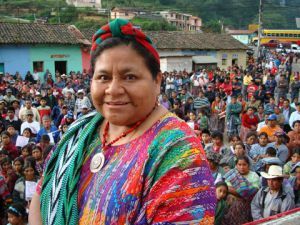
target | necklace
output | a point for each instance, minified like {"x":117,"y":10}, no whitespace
{"x":98,"y":159}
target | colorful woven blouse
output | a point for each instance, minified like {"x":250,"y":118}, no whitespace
{"x":162,"y":177}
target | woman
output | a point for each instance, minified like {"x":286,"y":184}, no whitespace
{"x":217,"y":118}
{"x":6,"y":144}
{"x":294,"y":136}
{"x":249,"y":123}
{"x":213,"y":159}
{"x":19,"y":193}
{"x":134,"y":138}
{"x":242,"y":185}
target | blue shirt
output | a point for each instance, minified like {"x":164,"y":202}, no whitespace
{"x":53,"y":130}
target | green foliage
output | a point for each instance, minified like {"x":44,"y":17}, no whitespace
{"x":153,"y":25}
{"x":90,"y":24}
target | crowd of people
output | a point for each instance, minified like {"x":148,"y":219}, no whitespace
{"x":248,"y":120}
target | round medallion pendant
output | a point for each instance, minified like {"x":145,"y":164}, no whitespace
{"x":97,"y":162}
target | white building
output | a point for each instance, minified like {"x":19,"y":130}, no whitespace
{"x":85,"y":3}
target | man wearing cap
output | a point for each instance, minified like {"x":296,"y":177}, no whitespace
{"x":30,"y":123}
{"x":84,"y":110}
{"x":49,"y":129}
{"x":28,"y":106}
{"x":295,"y":115}
{"x":282,"y":152}
{"x":271,"y":128}
{"x":81,"y":100}
{"x":9,"y":98}
{"x":274,"y":199}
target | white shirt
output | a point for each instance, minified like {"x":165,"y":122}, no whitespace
{"x":34,"y":126}
{"x":294,"y":116}
{"x":36,"y":76}
{"x":260,"y":125}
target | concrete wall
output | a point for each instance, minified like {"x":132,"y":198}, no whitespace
{"x":51,"y":53}
{"x":229,"y":55}
{"x":176,"y":63}
{"x":15,"y":58}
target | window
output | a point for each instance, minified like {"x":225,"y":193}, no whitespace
{"x":224,"y":62}
{"x":38,"y":66}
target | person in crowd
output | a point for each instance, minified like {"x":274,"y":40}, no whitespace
{"x":217,"y":144}
{"x":217,"y":118}
{"x":44,"y":109}
{"x":19,"y":193}
{"x":271,"y":128}
{"x":249,"y":123}
{"x":210,"y":93}
{"x":279,"y":145}
{"x":13,"y":133}
{"x":9,"y":97}
{"x":165,"y":102}
{"x":269,"y":107}
{"x":295,"y":183}
{"x":12,"y":119}
{"x":295,"y":158}
{"x":68,"y":119}
{"x":17,"y":214}
{"x":193,"y":123}
{"x":273,"y":199}
{"x":51,"y":100}
{"x":295,"y":115}
{"x":205,"y":138}
{"x":280,"y":116}
{"x":34,"y":126}
{"x":221,"y":210}
{"x":233,"y":111}
{"x":287,"y":111}
{"x":189,"y":105}
{"x":203,"y":119}
{"x":49,"y":129}
{"x":69,"y":101}
{"x":80,"y":101}
{"x":251,"y":139}
{"x":258,"y":151}
{"x":7,"y":145}
{"x":8,"y":173}
{"x":28,"y":106}
{"x":242,"y":186}
{"x":260,"y":113}
{"x":282,"y":86}
{"x":26,"y":151}
{"x":201,"y":102}
{"x":126,"y":95}
{"x":213,"y":159}
{"x":37,"y":154}
{"x":18,"y":164}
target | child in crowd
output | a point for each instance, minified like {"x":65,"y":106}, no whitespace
{"x":17,"y":214}
{"x":18,"y":166}
{"x":290,"y":164}
{"x":221,"y":193}
{"x":44,"y":109}
{"x":205,"y":138}
{"x":37,"y":154}
{"x":203,"y":120}
{"x":26,"y":151}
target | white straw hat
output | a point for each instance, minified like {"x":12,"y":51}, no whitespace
{"x":274,"y":172}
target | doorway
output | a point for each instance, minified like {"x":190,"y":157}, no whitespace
{"x":61,"y":67}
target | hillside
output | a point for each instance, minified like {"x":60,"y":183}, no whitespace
{"x":234,"y":13}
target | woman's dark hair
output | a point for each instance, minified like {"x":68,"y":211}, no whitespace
{"x":30,"y":162}
{"x":17,"y":209}
{"x":5,"y":160}
{"x":205,"y":131}
{"x":5,"y":133}
{"x":294,"y":123}
{"x":296,"y":151}
{"x":234,"y":136}
{"x":245,"y":158}
{"x":150,"y":60}
{"x":37,"y":147}
{"x":222,"y":183}
{"x":270,"y":151}
{"x":28,"y":147}
{"x":19,"y":159}
{"x":250,"y":134}
{"x":241,"y":144}
{"x":217,"y":134}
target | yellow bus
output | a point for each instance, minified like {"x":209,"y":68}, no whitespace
{"x":280,"y":35}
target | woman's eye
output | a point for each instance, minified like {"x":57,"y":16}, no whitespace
{"x":102,"y":77}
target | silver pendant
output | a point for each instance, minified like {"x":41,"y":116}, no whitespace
{"x":97,"y":162}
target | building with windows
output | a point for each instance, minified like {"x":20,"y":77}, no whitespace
{"x":183,"y":21}
{"x":38,"y":47}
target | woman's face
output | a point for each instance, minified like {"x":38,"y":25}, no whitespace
{"x":29,"y":173}
{"x":251,"y":140}
{"x":297,"y":127}
{"x":17,"y":166}
{"x":5,"y":139}
{"x":122,"y":91}
{"x":25,"y":152}
{"x":239,"y":150}
{"x":250,"y":111}
{"x":221,"y":192}
{"x":243,"y":167}
{"x":295,"y":158}
{"x":5,"y":166}
{"x":26,"y":133}
{"x":14,"y":220}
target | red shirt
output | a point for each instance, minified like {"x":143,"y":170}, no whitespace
{"x":251,"y":89}
{"x":247,"y":121}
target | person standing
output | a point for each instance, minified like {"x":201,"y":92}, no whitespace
{"x":107,"y":174}
{"x":233,"y":119}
